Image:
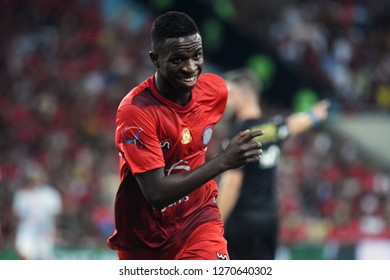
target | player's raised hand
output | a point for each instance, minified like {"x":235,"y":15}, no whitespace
{"x":320,"y":109}
{"x":243,"y":149}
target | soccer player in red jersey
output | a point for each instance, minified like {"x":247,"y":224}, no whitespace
{"x":166,"y":203}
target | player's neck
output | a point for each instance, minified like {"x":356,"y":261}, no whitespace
{"x":167,"y":91}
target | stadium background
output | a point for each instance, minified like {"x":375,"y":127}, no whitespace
{"x":66,"y":64}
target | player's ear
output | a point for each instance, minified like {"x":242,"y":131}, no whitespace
{"x":154,"y":59}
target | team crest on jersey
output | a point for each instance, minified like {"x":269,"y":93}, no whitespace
{"x":186,"y":136}
{"x":207,"y":134}
{"x":131,"y":135}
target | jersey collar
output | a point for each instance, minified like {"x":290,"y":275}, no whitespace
{"x":168,"y":102}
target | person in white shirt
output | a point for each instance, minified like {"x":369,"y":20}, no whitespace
{"x":36,"y":206}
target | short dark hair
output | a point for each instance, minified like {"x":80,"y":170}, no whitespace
{"x":244,"y":77}
{"x":172,"y":24}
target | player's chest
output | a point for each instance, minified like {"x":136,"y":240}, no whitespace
{"x":187,"y":133}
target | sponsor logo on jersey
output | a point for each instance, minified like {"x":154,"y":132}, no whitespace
{"x":283,"y":132}
{"x":181,"y":200}
{"x":270,"y":157}
{"x":165,"y":145}
{"x":131,"y":135}
{"x":178,"y":166}
{"x":186,"y":136}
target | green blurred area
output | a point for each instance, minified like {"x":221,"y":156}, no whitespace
{"x":297,"y":252}
{"x":69,"y":253}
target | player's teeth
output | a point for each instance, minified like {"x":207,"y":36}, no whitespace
{"x":189,"y":79}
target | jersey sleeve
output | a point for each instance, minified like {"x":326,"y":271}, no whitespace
{"x":219,"y":86}
{"x":136,"y":139}
{"x":275,"y":130}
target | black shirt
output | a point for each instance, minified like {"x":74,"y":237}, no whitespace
{"x":258,"y":195}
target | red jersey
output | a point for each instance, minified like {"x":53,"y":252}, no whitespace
{"x":154,"y":132}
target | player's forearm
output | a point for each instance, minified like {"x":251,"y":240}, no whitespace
{"x":226,"y":206}
{"x":161,"y":190}
{"x":229,"y":190}
{"x":298,"y":123}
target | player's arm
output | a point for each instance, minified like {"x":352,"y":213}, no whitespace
{"x":300,"y":122}
{"x":229,"y":190}
{"x":160,"y":190}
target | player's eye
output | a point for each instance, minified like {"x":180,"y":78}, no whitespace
{"x":177,"y":60}
{"x":197,"y":56}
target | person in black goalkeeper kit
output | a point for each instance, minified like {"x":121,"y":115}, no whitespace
{"x":247,"y":195}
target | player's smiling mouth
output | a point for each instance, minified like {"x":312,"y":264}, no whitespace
{"x":190,"y":81}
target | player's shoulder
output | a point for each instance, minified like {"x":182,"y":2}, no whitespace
{"x":138,"y":96}
{"x":211,"y":78}
{"x":212,"y":84}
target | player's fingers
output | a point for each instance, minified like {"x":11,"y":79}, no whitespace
{"x":241,"y":135}
{"x":254,"y":145}
{"x":250,"y":135}
{"x":253,"y":155}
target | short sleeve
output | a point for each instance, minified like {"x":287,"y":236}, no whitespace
{"x":136,"y":139}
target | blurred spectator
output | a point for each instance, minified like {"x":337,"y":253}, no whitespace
{"x":36,"y":206}
{"x":342,"y":45}
{"x":65,"y":68}
{"x":247,"y":195}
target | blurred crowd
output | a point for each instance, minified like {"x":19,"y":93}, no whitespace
{"x":343,"y":45}
{"x":66,"y":64}
{"x":330,"y":192}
